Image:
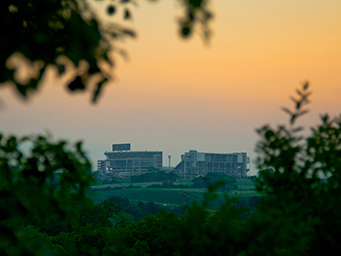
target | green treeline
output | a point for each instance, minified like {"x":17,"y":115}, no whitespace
{"x":158,"y":176}
{"x":225,"y":182}
{"x":116,"y":227}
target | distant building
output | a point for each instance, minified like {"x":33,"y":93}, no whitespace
{"x":194,"y":163}
{"x":125,"y":163}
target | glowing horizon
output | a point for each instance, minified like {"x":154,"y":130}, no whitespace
{"x":175,"y":95}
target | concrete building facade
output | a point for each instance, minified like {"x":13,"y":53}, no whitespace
{"x":194,"y":163}
{"x":125,"y":163}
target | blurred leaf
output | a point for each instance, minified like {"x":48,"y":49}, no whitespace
{"x":287,"y":111}
{"x":306,"y":86}
{"x":127,"y":15}
{"x":98,"y":90}
{"x":111,"y":10}
{"x":298,"y":129}
{"x":301,"y":113}
{"x":76,"y":84}
{"x":186,"y":30}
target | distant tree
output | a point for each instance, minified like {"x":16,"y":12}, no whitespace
{"x":135,"y":211}
{"x":159,"y":176}
{"x":227,"y":182}
{"x":121,"y":201}
{"x":152,"y":169}
{"x":149,"y":236}
{"x":110,"y":181}
{"x":171,"y":177}
{"x":88,"y":240}
{"x":151,"y":208}
{"x":95,"y":215}
{"x":121,"y":219}
{"x":202,"y":232}
{"x":111,"y":207}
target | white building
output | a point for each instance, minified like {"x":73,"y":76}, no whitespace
{"x":194,"y":163}
{"x":123,"y":162}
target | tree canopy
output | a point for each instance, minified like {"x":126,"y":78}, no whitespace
{"x":67,"y":33}
{"x":44,"y":183}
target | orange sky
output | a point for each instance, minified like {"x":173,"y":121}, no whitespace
{"x":175,"y":95}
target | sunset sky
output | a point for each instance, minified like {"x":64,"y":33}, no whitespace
{"x":175,"y":95}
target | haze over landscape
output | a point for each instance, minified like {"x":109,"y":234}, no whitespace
{"x":174,"y":95}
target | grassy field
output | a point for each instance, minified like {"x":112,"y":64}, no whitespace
{"x":161,"y":196}
{"x":169,"y":196}
{"x":140,"y":184}
{"x":246,"y":184}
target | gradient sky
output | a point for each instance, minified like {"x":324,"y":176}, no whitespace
{"x":175,"y":95}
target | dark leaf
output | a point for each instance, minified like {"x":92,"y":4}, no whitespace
{"x":298,"y":105}
{"x":298,"y":129}
{"x":128,"y":32}
{"x":61,"y":69}
{"x":127,"y":15}
{"x":299,"y":92}
{"x":301,"y":113}
{"x":76,"y":84}
{"x":306,"y":86}
{"x":186,"y":31}
{"x":287,"y":111}
{"x":293,"y":99}
{"x":111,"y":10}
{"x":293,"y":118}
{"x":98,"y":90}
